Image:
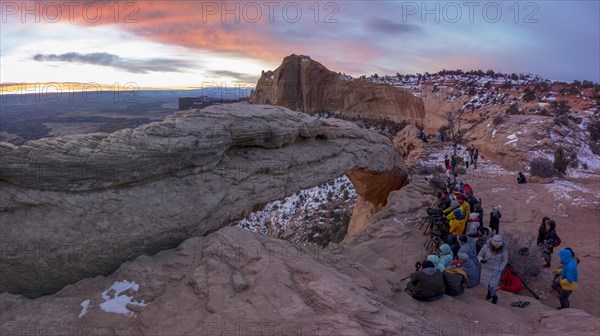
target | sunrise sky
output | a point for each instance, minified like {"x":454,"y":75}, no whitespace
{"x":190,"y":44}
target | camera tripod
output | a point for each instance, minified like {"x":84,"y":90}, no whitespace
{"x":437,"y":228}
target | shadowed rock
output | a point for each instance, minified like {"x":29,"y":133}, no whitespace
{"x":79,"y":206}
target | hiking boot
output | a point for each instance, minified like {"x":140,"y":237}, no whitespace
{"x":547,"y":265}
{"x":494,"y":299}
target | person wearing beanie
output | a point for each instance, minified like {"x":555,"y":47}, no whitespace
{"x":464,"y":205}
{"x":455,"y":279}
{"x":493,"y":257}
{"x":460,"y":200}
{"x":470,"y":269}
{"x":566,"y":277}
{"x":426,"y":284}
{"x":468,"y":247}
{"x":472,"y":224}
{"x":457,"y":221}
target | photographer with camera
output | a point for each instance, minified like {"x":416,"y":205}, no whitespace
{"x":426,"y":284}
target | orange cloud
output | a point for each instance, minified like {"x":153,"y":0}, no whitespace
{"x":265,"y":30}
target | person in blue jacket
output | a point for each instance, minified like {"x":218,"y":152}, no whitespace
{"x":566,"y":277}
{"x":468,"y":265}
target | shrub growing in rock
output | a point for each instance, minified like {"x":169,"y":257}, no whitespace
{"x":542,"y":167}
{"x":497,"y":120}
{"x":561,"y":162}
{"x":594,"y":128}
{"x":513,"y":109}
{"x":523,"y":253}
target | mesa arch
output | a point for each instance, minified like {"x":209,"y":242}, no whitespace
{"x":79,"y":206}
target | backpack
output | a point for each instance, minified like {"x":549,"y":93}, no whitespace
{"x":512,"y":282}
{"x":556,"y":241}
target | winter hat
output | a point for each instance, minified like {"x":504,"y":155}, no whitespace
{"x":458,"y":214}
{"x":454,"y":204}
{"x":427,"y":264}
{"x":462,"y":238}
{"x":474,"y":216}
{"x":497,"y":241}
{"x":460,"y":197}
{"x":463,"y":256}
{"x":455,"y":263}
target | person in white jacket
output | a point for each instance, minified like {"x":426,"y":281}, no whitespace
{"x":493,"y":257}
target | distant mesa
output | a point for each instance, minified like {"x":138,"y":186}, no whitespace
{"x":305,"y":85}
{"x":198,"y":103}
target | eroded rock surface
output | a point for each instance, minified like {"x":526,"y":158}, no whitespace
{"x":79,"y":206}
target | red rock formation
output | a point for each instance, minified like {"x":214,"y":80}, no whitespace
{"x":305,"y":85}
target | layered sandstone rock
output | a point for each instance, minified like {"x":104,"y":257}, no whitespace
{"x":303,"y":84}
{"x":236,"y":282}
{"x":79,"y":206}
{"x":409,"y":142}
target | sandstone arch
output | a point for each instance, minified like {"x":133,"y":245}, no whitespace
{"x":79,"y":206}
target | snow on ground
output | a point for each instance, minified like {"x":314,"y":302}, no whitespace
{"x":303,"y":210}
{"x":84,"y":308}
{"x":570,"y":192}
{"x":511,"y":139}
{"x":116,"y":303}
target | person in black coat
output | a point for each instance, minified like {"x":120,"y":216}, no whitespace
{"x":495,"y":216}
{"x":551,"y":237}
{"x":454,"y":245}
{"x":541,"y":238}
{"x":427,"y":284}
{"x":521,"y":178}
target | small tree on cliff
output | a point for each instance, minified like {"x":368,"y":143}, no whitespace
{"x":560,"y":161}
{"x":453,"y":118}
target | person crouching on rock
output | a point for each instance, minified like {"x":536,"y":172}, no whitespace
{"x":566,"y":280}
{"x":521,"y":178}
{"x":457,"y":221}
{"x":469,"y":267}
{"x":455,"y":279}
{"x":493,"y":257}
{"x":426,"y":284}
{"x":446,"y":255}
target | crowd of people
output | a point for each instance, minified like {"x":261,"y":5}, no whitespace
{"x":473,"y":254}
